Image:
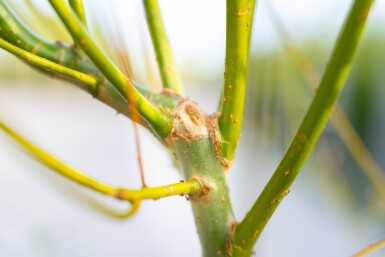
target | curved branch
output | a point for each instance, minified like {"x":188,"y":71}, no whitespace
{"x":91,"y":81}
{"x":190,"y":187}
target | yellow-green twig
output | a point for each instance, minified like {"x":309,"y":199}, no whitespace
{"x":159,"y":121}
{"x":189,"y":187}
{"x":78,"y":7}
{"x":339,"y":120}
{"x":164,"y":56}
{"x":370,"y":248}
{"x":89,"y":80}
{"x":239,"y":20}
{"x":250,"y":228}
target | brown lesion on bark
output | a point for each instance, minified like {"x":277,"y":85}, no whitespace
{"x":192,"y":124}
{"x":204,"y":195}
{"x":212,"y":122}
{"x":229,"y":236}
{"x":189,"y":123}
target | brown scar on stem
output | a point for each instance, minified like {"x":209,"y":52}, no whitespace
{"x":286,"y":192}
{"x":204,"y":195}
{"x":61,"y":55}
{"x":229,"y":235}
{"x":168,"y":69}
{"x":170,"y":92}
{"x":301,"y":137}
{"x":241,"y":12}
{"x":101,"y":94}
{"x":212,"y":125}
{"x":363,"y":14}
{"x":119,"y":194}
{"x":75,"y":52}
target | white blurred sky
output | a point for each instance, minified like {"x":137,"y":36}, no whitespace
{"x":196,"y":29}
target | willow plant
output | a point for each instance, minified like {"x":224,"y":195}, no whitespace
{"x":203,"y":145}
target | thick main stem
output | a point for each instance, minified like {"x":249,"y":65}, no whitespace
{"x":212,"y":212}
{"x":194,"y":147}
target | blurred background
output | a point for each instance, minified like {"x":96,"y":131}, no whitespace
{"x":335,"y":206}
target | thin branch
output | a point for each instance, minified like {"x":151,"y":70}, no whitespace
{"x":139,"y":154}
{"x":78,"y":8}
{"x":247,"y":232}
{"x":239,"y":19}
{"x":370,"y":248}
{"x":167,"y":67}
{"x":17,"y":33}
{"x":124,"y":61}
{"x":339,"y":120}
{"x":91,"y":81}
{"x":182,"y":188}
{"x":159,"y":121}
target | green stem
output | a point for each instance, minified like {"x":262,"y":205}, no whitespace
{"x":194,"y":145}
{"x":167,"y":67}
{"x":213,"y":213}
{"x":91,"y":81}
{"x":78,"y":7}
{"x":339,"y":120}
{"x":248,"y":231}
{"x":239,"y":20}
{"x":17,"y":33}
{"x":160,"y":122}
{"x":190,"y":187}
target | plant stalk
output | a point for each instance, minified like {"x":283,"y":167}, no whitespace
{"x":167,"y":67}
{"x":159,"y":121}
{"x":248,"y":231}
{"x":190,"y":187}
{"x":239,"y":20}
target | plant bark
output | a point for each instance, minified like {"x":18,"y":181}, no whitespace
{"x":193,"y":142}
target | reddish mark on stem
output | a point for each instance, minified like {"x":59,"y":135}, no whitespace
{"x":301,"y":137}
{"x":363,"y":14}
{"x":286,"y":192}
{"x":241,"y":12}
